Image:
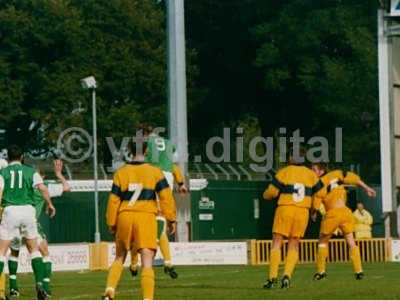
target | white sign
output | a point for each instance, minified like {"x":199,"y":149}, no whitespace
{"x":396,"y":250}
{"x":395,"y":8}
{"x":206,"y":217}
{"x":190,"y":254}
{"x":64,"y":257}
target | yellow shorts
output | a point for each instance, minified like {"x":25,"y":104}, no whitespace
{"x":291,"y":221}
{"x":137,"y":229}
{"x":341,"y":218}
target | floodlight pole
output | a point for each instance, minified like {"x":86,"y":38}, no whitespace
{"x":177,"y":80}
{"x":177,"y":99}
{"x":97,"y":237}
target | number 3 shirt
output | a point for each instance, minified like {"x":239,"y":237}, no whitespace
{"x":295,"y":185}
{"x":17,"y":182}
{"x":135,"y":188}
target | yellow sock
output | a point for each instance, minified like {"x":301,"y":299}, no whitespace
{"x":274,"y":261}
{"x":356,"y":259}
{"x":114,"y":274}
{"x":291,"y":261}
{"x":147,"y":283}
{"x":321,"y":258}
{"x":3,"y":285}
{"x":164,"y":248}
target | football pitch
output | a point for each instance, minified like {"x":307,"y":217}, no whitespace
{"x":232,"y":282}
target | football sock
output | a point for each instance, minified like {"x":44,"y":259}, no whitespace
{"x":147,"y":283}
{"x":291,"y":261}
{"x":356,"y":259}
{"x":114,"y":274}
{"x":164,"y":248}
{"x":37,"y":267}
{"x":47,"y":273}
{"x":274,"y":261}
{"x":3,"y":285}
{"x":13,"y":268}
{"x":321,"y":257}
{"x":2,"y":262}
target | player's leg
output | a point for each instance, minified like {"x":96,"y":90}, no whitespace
{"x":115,"y":271}
{"x":147,"y":275}
{"x":134,"y":267}
{"x":280,"y":229}
{"x":30,"y":233}
{"x":123,"y":241}
{"x":145,"y":233}
{"x":163,"y":243}
{"x":292,"y":258}
{"x":44,"y":250}
{"x":347,"y":226}
{"x":3,"y":287}
{"x":322,"y":256}
{"x":298,"y":221}
{"x":13,"y":266}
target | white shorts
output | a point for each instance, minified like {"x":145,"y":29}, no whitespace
{"x":18,"y":221}
{"x":170,"y":179}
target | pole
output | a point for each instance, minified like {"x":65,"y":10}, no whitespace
{"x":177,"y":102}
{"x":177,"y":80}
{"x":97,"y":237}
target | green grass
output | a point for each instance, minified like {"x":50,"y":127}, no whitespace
{"x":243,"y":282}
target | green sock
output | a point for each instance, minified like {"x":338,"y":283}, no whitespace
{"x":12,"y":268}
{"x":37,"y":267}
{"x":2,"y":262}
{"x":47,"y":274}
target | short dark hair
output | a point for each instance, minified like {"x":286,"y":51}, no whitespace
{"x":146,"y":129}
{"x":14,"y":152}
{"x":137,"y":146}
{"x":322,"y":166}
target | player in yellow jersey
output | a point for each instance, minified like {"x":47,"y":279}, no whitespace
{"x":338,"y":215}
{"x":131,"y":216}
{"x":162,"y":236}
{"x":295,"y":186}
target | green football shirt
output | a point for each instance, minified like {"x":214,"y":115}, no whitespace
{"x":18,"y":182}
{"x":55,"y":190}
{"x":160,"y":152}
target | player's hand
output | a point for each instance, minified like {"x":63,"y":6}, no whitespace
{"x":370,"y":192}
{"x":171,"y":228}
{"x":51,"y":210}
{"x":183,"y":189}
{"x":314,"y":216}
{"x":58,"y":167}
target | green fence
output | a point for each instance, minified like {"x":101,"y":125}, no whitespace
{"x":236,"y":210}
{"x":224,"y":210}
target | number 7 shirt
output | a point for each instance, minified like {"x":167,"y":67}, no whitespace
{"x":295,"y":185}
{"x":135,"y":188}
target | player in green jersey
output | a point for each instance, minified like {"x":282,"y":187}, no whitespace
{"x":160,"y":152}
{"x":55,"y":190}
{"x":17,"y":184}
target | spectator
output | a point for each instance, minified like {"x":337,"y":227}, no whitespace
{"x":364,"y":221}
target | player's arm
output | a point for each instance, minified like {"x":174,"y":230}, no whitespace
{"x":114,"y":202}
{"x":353,"y":179}
{"x":38,"y":183}
{"x":179,"y":179}
{"x":167,"y":202}
{"x":319,"y":193}
{"x":274,"y":187}
{"x":58,"y":167}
